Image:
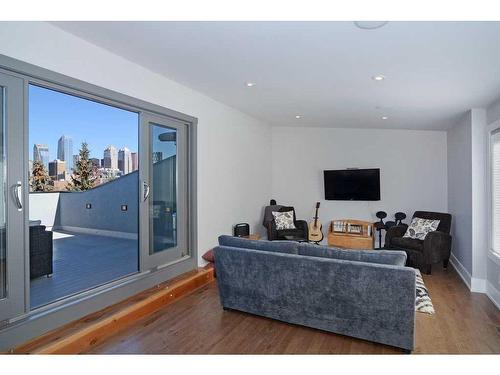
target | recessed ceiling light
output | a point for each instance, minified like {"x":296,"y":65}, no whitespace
{"x":384,"y":117}
{"x":298,"y":116}
{"x":378,"y":77}
{"x":370,"y":25}
{"x":250,"y":84}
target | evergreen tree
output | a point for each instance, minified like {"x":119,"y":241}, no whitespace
{"x":85,"y":174}
{"x":40,"y":180}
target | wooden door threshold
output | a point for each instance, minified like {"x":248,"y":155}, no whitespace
{"x":78,"y":336}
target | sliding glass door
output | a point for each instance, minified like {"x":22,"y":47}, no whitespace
{"x":164,"y":190}
{"x":12,"y":281}
{"x":94,"y":193}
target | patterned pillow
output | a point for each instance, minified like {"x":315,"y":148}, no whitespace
{"x":419,"y":228}
{"x":284,"y":220}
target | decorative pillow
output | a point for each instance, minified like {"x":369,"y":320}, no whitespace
{"x":284,"y":220}
{"x":209,"y":256}
{"x":419,"y":228}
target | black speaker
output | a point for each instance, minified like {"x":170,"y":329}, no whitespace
{"x":241,"y":230}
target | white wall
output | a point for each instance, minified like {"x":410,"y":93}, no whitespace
{"x":43,"y":207}
{"x":460,"y":193}
{"x":234,"y":179}
{"x":479,"y":197}
{"x":493,"y":261}
{"x":468,"y":197}
{"x":412,"y":166}
{"x":493,"y":112}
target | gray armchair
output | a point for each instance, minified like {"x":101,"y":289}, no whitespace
{"x":422,"y":254}
{"x":301,"y":233}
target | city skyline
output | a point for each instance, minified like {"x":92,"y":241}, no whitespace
{"x":42,"y":151}
{"x":114,"y":163}
{"x":53,"y":114}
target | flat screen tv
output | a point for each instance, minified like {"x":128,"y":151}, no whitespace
{"x":352,"y":185}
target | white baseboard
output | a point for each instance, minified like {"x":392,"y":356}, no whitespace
{"x":461,"y":270}
{"x":493,"y":294}
{"x":478,"y":285}
{"x":474,"y":284}
{"x":98,"y":232}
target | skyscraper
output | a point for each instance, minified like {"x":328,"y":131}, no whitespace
{"x":41,"y":153}
{"x":125,"y":160}
{"x":57,"y":169}
{"x":96,"y":163}
{"x":135,"y":161}
{"x":111,"y":157}
{"x":65,"y":151}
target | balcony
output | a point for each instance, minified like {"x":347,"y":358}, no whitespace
{"x":95,"y":237}
{"x":81,"y":262}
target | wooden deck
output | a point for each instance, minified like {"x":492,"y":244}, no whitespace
{"x":82,"y":262}
{"x":464,"y":322}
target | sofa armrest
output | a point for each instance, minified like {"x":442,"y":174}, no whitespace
{"x":272,"y":234}
{"x":393,"y":232}
{"x":437,"y":247}
{"x":302,"y":225}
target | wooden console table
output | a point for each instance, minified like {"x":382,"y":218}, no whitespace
{"x":252,"y":237}
{"x":351,"y":234}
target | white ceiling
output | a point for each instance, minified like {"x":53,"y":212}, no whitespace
{"x":321,"y":70}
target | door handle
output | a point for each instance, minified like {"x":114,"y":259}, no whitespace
{"x":18,"y":189}
{"x":145,"y":188}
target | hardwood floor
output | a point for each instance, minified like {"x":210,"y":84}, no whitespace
{"x":464,"y":322}
{"x":89,"y":331}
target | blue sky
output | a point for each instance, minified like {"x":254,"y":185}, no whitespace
{"x":52,"y":114}
{"x":166,"y":148}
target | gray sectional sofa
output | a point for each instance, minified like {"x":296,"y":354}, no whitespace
{"x":365,"y":294}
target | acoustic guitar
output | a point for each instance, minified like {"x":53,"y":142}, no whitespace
{"x":315,"y":227}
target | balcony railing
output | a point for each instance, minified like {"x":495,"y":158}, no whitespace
{"x":111,"y":209}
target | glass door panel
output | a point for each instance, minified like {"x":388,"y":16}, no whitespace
{"x":12,"y":281}
{"x":3,"y":216}
{"x":83,"y":194}
{"x":164,"y":190}
{"x":163,"y":202}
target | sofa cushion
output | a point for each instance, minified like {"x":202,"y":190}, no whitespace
{"x":37,"y":228}
{"x":408,"y":243}
{"x":288,"y":247}
{"x":396,"y":258}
